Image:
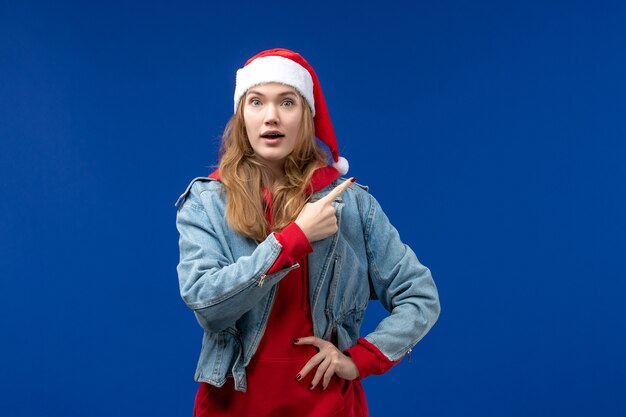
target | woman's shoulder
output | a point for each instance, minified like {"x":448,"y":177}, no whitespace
{"x":196,"y":187}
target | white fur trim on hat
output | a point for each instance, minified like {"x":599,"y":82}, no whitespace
{"x":276,"y":69}
{"x":342,"y":165}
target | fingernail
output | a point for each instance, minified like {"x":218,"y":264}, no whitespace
{"x":298,"y":377}
{"x":296,"y":340}
{"x":353,"y":179}
{"x":311,"y":386}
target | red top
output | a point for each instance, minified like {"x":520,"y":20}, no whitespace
{"x":272,"y":385}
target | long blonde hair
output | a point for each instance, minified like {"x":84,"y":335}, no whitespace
{"x":244,"y":175}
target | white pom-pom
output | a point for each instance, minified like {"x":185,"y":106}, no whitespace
{"x":342,"y":165}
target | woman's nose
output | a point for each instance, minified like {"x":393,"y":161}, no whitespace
{"x":271,"y":114}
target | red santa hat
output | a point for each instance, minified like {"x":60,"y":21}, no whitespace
{"x":290,"y":68}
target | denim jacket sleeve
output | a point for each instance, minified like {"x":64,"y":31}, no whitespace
{"x":401,"y":283}
{"x":218,"y":281}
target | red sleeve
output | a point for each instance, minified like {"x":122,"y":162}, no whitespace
{"x":369,"y":359}
{"x":295,"y":246}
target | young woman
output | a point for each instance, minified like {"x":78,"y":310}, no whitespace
{"x":279,"y":258}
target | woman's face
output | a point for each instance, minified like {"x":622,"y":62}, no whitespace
{"x":273,"y":113}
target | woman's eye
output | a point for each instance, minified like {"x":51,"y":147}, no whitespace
{"x":288,"y":103}
{"x":255,"y":102}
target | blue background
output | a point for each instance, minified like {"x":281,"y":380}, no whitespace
{"x":493,"y":134}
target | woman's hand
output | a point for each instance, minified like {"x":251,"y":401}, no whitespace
{"x":317,"y":220}
{"x":329,"y":361}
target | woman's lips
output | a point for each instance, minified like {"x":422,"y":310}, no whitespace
{"x":272,"y":141}
{"x":272,"y":134}
{"x":272,"y":137}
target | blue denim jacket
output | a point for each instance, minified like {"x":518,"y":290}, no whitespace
{"x":223,"y":279}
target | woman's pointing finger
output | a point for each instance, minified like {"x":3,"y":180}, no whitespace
{"x":336,"y":192}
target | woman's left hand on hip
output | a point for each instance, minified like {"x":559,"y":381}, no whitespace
{"x":329,"y":361}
